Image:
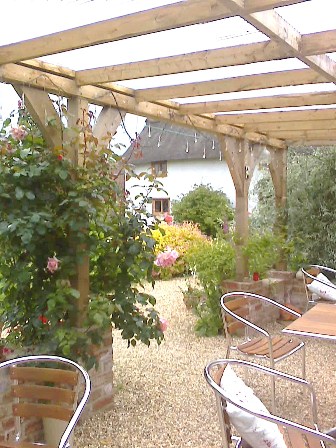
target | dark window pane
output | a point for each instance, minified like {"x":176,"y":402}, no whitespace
{"x":165,"y":205}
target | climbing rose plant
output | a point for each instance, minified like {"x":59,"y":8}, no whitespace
{"x":53,"y":216}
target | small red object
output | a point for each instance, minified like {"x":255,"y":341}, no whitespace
{"x":43,"y":319}
{"x":256,"y":276}
{"x":168,"y":218}
{"x":60,"y":157}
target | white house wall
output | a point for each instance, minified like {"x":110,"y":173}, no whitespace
{"x":184,"y":174}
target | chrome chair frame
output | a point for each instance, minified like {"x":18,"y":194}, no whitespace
{"x":258,"y":329}
{"x":309,"y":294}
{"x":224,"y":419}
{"x":82,"y":402}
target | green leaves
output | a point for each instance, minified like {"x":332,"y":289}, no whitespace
{"x":51,"y":209}
{"x":19,"y":193}
{"x":206,"y":207}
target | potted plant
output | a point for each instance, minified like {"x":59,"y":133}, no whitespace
{"x":53,"y":215}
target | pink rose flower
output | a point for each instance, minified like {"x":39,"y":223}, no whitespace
{"x":52,"y":264}
{"x":166,"y":258}
{"x":163,"y":324}
{"x":18,"y":133}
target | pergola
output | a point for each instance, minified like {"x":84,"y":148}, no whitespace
{"x":251,"y":114}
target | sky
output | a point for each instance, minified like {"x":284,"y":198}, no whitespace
{"x":40,"y":17}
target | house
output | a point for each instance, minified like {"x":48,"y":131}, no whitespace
{"x":180,"y":159}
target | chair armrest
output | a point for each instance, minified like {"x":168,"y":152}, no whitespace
{"x":332,"y":432}
{"x":243,"y":321}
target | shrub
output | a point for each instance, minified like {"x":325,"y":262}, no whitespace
{"x":263,"y":252}
{"x":179,"y":238}
{"x":213,"y":261}
{"x":53,"y":216}
{"x":210,"y":209}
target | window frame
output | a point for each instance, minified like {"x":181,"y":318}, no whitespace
{"x":159,"y":168}
{"x":162,"y":210}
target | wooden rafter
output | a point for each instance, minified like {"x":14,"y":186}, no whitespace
{"x":235,"y":84}
{"x":67,"y":87}
{"x":311,"y":44}
{"x":309,"y":115}
{"x":306,"y":135}
{"x":278,"y":29}
{"x":262,"y":102}
{"x":292,"y":125}
{"x":162,"y":18}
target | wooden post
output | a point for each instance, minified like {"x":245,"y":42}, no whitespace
{"x":77,"y":120}
{"x":278,"y":170}
{"x":239,"y":157}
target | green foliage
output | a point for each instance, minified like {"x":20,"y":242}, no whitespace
{"x":208,"y":208}
{"x":311,"y":196}
{"x":179,"y":237}
{"x":213,"y":261}
{"x":311,"y":204}
{"x":263,"y":252}
{"x":53,"y":210}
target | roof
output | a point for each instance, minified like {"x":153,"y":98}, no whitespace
{"x":164,"y":141}
{"x":264,"y":70}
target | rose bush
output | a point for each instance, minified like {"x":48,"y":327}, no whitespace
{"x":53,"y":216}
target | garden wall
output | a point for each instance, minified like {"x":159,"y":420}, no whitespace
{"x":101,"y":394}
{"x":281,"y":286}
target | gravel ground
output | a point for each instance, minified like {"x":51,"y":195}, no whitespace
{"x":162,"y":399}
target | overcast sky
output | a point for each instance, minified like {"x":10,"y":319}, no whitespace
{"x":34,"y":18}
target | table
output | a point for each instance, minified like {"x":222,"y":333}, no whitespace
{"x":318,"y":322}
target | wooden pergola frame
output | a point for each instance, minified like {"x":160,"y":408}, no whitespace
{"x":242,"y":133}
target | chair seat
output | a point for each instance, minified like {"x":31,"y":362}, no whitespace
{"x":282,"y":345}
{"x":294,"y":439}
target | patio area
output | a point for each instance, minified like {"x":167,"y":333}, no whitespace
{"x":162,"y":400}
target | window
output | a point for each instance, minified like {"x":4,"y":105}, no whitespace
{"x":160,"y":206}
{"x":159,"y":169}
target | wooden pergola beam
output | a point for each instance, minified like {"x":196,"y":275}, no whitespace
{"x":278,"y":29}
{"x":42,"y":110}
{"x":306,"y":135}
{"x":317,"y":125}
{"x":162,"y":18}
{"x":261,"y":102}
{"x":310,"y":115}
{"x":183,"y":13}
{"x":235,"y":84}
{"x":311,"y":44}
{"x":95,"y":95}
{"x":107,"y":122}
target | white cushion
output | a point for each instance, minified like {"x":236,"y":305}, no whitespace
{"x":259,"y":433}
{"x":324,"y":291}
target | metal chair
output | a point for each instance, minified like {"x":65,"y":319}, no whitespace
{"x":310,"y":275}
{"x":295,"y":435}
{"x":45,"y":386}
{"x":240,"y":311}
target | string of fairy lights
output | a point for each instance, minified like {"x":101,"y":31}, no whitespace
{"x":209,"y":144}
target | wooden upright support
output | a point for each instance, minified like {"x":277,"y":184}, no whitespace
{"x":77,"y":121}
{"x":278,"y":170}
{"x":241,"y":157}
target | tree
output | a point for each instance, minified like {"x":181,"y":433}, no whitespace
{"x":209,"y":208}
{"x":311,"y":194}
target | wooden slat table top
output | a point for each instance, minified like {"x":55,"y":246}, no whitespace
{"x":318,"y":322}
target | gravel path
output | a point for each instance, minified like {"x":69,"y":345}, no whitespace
{"x":161,"y":397}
